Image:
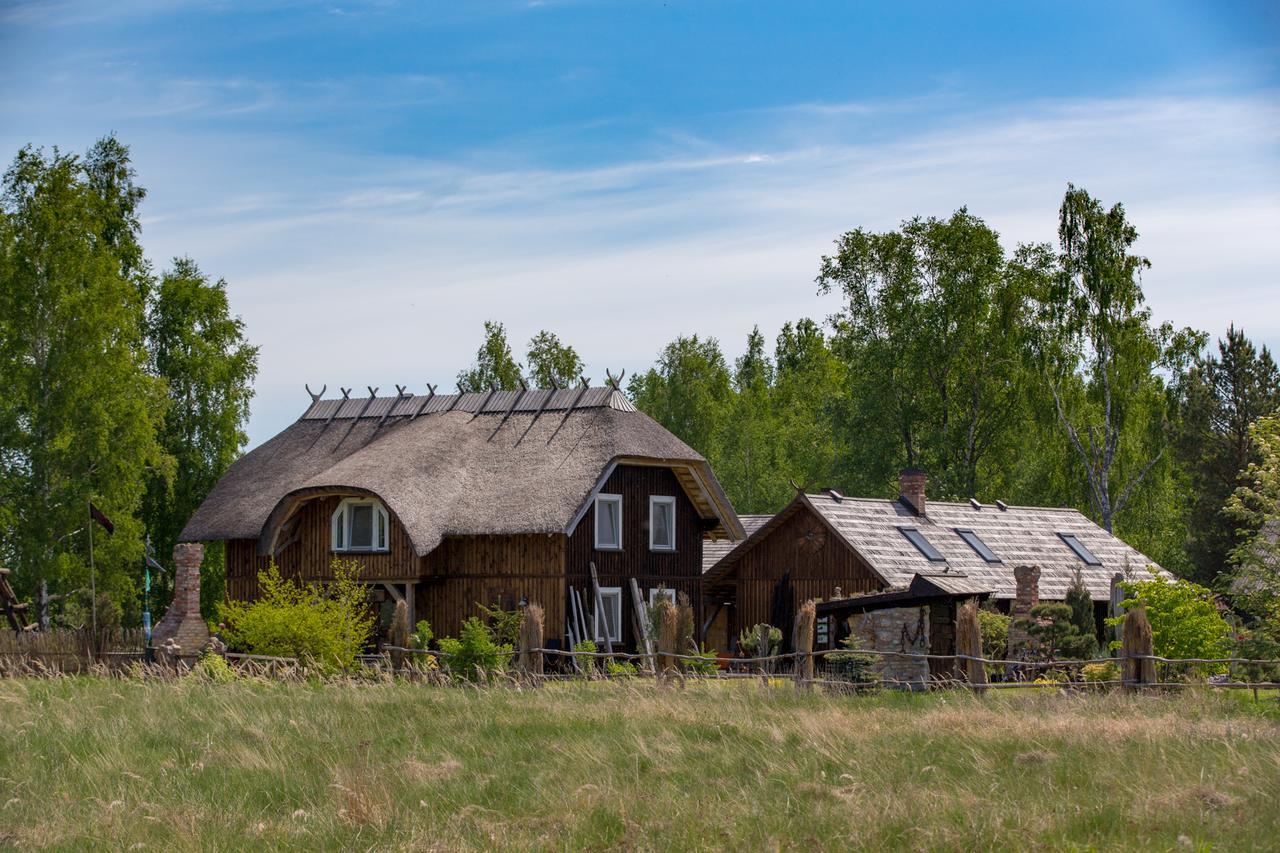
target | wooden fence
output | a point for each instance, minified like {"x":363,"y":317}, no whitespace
{"x":73,"y":650}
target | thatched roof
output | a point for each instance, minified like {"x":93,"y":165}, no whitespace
{"x":1018,"y":535}
{"x":502,"y":463}
{"x":714,"y":550}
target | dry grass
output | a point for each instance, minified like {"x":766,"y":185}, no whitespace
{"x":93,"y":763}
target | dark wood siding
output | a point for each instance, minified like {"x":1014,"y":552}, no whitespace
{"x":818,"y":562}
{"x":469,"y":570}
{"x":450,"y":580}
{"x":680,"y":570}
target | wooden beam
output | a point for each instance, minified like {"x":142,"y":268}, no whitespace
{"x":595,"y":588}
{"x":431,"y":393}
{"x":373,"y":394}
{"x":523,"y":390}
{"x":569,"y":410}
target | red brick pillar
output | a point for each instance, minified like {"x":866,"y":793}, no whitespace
{"x":182,"y":622}
{"x":1026,"y":596}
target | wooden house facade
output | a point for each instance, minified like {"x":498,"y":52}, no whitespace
{"x":827,"y":546}
{"x":454,"y":501}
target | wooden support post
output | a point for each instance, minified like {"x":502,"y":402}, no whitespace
{"x":806,"y":622}
{"x":969,"y":642}
{"x":1114,"y":609}
{"x":1137,"y":647}
{"x":762,"y":652}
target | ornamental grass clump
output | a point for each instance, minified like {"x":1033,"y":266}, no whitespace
{"x":324,"y":625}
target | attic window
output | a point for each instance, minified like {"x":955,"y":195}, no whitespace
{"x":915,"y":537}
{"x":609,"y":522}
{"x":360,"y":525}
{"x":972,"y":540}
{"x":662,"y":523}
{"x":1081,"y":551}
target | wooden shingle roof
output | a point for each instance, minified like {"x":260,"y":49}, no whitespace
{"x":1017,"y":535}
{"x":713,"y":550}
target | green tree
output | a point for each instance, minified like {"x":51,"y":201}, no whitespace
{"x":495,"y":366}
{"x":1086,"y":626}
{"x":1185,"y":622}
{"x":747,"y":468}
{"x":931,"y":331}
{"x":198,"y":348}
{"x":807,"y":399}
{"x":78,"y":409}
{"x":1226,"y":394}
{"x":551,"y":363}
{"x":1103,"y":358}
{"x":1255,"y":508}
{"x":689,"y":391}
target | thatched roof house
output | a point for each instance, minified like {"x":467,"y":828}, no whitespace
{"x":500,"y":487}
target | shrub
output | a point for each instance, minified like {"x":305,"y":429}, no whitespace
{"x":421,"y":636}
{"x":854,"y":665}
{"x":475,"y":654}
{"x":621,"y":668}
{"x":1095,"y":672}
{"x":749,"y":639}
{"x":1081,"y":604}
{"x":707,"y":662}
{"x":504,"y":625}
{"x":1258,"y":644}
{"x":324,"y":625}
{"x":213,"y":667}
{"x":995,"y":634}
{"x":1055,"y":633}
{"x":588,"y":664}
{"x":1185,"y":622}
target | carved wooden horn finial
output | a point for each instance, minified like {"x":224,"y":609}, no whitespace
{"x":314,"y":396}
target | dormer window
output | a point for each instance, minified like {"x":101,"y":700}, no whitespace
{"x":360,"y":525}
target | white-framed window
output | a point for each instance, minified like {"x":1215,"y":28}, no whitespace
{"x":360,"y":525}
{"x":609,"y":621}
{"x":661,"y":592}
{"x":662,"y":523}
{"x":609,"y":522}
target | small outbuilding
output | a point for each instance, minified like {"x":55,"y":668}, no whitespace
{"x":829,"y":546}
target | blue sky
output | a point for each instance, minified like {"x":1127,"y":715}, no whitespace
{"x":375,"y":179}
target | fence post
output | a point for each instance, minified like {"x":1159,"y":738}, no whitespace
{"x":1137,"y":647}
{"x":399,"y":635}
{"x":668,"y":639}
{"x":530,"y":661}
{"x":969,"y":642}
{"x":806,"y":621}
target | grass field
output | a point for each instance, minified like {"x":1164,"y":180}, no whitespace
{"x":133,"y":765}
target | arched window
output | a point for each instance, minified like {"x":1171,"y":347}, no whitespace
{"x":360,"y":525}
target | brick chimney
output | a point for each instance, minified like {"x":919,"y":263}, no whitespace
{"x":911,"y":487}
{"x":1026,"y":595}
{"x":182,"y":622}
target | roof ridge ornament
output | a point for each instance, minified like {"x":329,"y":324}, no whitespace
{"x":346,"y":395}
{"x":373,"y":395}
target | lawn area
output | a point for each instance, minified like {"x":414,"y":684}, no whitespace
{"x":154,"y":765}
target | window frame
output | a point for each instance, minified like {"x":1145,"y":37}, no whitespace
{"x":654,"y":501}
{"x":340,"y":523}
{"x":1080,"y":549}
{"x":668,"y":593}
{"x":924,"y":546}
{"x":978,"y":545}
{"x":609,"y":594}
{"x":595,"y":521}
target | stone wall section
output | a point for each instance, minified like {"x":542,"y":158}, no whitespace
{"x":897,"y":629}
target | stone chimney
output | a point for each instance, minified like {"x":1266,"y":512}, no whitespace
{"x":182,"y":623}
{"x":911,"y":487}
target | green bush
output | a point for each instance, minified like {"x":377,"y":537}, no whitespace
{"x":854,"y":665}
{"x":421,"y":636}
{"x":619,"y":668}
{"x":324,"y":625}
{"x":1095,"y":672}
{"x":475,"y":654}
{"x":749,"y":639}
{"x":1185,"y":622}
{"x":995,"y":634}
{"x":1055,"y":635}
{"x":213,"y":667}
{"x":707,"y":662}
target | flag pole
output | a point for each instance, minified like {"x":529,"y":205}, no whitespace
{"x":93,"y":580}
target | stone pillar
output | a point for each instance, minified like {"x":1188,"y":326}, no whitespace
{"x":182,"y":623}
{"x":1026,"y":596}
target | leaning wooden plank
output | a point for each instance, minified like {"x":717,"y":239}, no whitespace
{"x":642,"y":624}
{"x":595,"y":588}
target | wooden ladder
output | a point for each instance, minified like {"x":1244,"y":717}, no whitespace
{"x":14,"y":609}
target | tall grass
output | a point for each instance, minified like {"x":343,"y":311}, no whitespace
{"x":95,"y":763}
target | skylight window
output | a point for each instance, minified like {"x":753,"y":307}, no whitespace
{"x":915,"y":537}
{"x":1082,"y":552}
{"x":972,"y":540}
